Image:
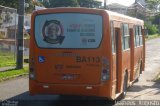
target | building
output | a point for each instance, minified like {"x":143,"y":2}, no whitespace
{"x":138,"y":9}
{"x":117,"y":8}
{"x":142,"y":2}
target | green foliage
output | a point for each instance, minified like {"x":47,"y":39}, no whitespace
{"x":52,"y":4}
{"x":13,"y":73}
{"x":157,"y":77}
{"x":152,"y":29}
{"x":10,"y":3}
{"x":156,"y":19}
{"x":7,"y":59}
{"x":15,"y":4}
{"x":89,"y":3}
{"x":149,"y":37}
{"x":46,"y":4}
{"x":63,"y":3}
{"x":72,"y":3}
{"x":153,"y":4}
{"x":2,"y":35}
{"x":30,"y":7}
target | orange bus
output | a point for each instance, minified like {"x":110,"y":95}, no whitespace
{"x":86,"y":52}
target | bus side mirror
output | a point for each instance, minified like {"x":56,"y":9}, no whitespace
{"x":145,"y":33}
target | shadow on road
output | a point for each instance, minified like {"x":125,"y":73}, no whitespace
{"x":25,"y":99}
{"x":141,"y":87}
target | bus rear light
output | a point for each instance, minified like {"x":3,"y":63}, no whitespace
{"x":105,"y":69}
{"x":32,"y":74}
{"x":105,"y":74}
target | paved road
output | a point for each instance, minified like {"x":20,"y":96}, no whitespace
{"x":17,"y":89}
{"x":147,"y":88}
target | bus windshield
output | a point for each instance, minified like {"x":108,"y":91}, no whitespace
{"x":68,"y":30}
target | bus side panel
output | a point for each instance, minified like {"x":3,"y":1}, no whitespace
{"x":120,"y":63}
{"x":126,"y":62}
{"x":137,"y":57}
{"x":132,"y":54}
{"x":32,"y":83}
{"x":107,"y":89}
{"x":144,"y":49}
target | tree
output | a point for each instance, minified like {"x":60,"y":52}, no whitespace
{"x":63,"y":3}
{"x":30,"y":6}
{"x":72,"y":3}
{"x":152,"y":29}
{"x":15,"y":4}
{"x":153,"y":5}
{"x":89,"y":3}
{"x":10,"y":3}
{"x":46,"y":4}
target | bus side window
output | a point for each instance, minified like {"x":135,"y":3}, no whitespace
{"x":140,"y":35}
{"x":113,"y":36}
{"x":125,"y":36}
{"x":135,"y":42}
{"x":136,"y":34}
{"x":138,"y":40}
{"x":122,"y":31}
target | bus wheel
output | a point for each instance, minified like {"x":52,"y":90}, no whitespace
{"x":125,"y":85}
{"x":141,"y":68}
{"x":122,"y":96}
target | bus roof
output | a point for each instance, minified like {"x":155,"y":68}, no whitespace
{"x":112,"y":15}
{"x":121,"y":17}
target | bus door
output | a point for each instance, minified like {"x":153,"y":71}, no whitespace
{"x":132,"y":53}
{"x":117,"y":45}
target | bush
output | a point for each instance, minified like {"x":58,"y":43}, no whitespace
{"x":152,"y":29}
{"x":2,"y":35}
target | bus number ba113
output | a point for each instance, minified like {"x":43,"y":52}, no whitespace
{"x":84,"y":59}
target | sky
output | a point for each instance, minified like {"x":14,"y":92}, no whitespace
{"x":123,"y":2}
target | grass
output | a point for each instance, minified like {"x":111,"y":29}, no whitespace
{"x":153,"y":36}
{"x":13,"y":73}
{"x":157,"y":77}
{"x":7,"y":59}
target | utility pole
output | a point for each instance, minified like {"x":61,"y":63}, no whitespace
{"x":20,"y":42}
{"x":105,"y":4}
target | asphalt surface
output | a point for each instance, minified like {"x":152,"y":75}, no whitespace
{"x":145,"y":89}
{"x":17,"y":90}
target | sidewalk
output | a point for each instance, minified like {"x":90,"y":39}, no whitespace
{"x":2,"y":69}
{"x":6,"y":68}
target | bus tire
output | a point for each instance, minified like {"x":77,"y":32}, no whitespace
{"x":125,"y":86}
{"x":141,"y":68}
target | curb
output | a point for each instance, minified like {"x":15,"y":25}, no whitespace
{"x":14,"y":76}
{"x":4,"y":69}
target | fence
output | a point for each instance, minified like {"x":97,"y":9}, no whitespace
{"x":8,"y":29}
{"x":8,"y":33}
